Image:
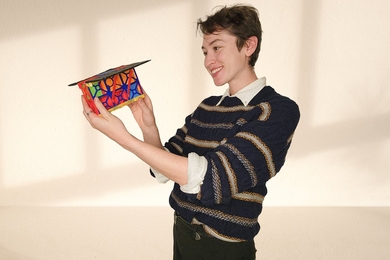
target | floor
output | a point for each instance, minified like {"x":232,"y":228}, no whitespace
{"x":32,"y":233}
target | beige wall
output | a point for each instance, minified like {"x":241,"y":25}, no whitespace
{"x":331,"y":56}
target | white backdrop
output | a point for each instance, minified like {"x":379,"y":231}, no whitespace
{"x":332,"y":57}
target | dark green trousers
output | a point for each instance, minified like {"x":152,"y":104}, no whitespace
{"x":191,"y":242}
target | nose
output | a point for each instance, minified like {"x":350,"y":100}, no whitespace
{"x":209,"y":59}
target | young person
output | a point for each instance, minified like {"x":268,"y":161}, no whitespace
{"x":228,"y":148}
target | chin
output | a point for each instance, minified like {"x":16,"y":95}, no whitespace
{"x":218,"y":83}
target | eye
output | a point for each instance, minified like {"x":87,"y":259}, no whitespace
{"x":216,"y":48}
{"x":204,"y":53}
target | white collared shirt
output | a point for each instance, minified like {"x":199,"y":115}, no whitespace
{"x":247,"y":93}
{"x":197,"y":165}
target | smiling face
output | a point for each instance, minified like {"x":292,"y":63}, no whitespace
{"x":225,"y":63}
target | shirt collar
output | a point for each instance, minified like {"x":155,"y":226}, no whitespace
{"x":247,"y":93}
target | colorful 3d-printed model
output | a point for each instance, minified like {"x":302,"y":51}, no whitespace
{"x":115,"y":87}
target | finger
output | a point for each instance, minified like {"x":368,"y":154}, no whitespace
{"x":102,"y":109}
{"x":86,"y":109}
{"x":147,"y":113}
{"x":143,"y":106}
{"x":85,"y":104}
{"x":134,"y":103}
{"x":147,"y":100}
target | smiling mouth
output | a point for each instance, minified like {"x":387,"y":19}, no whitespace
{"x":214,"y":71}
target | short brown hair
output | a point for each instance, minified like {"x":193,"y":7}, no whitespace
{"x":239,"y":20}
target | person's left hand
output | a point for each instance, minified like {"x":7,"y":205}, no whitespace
{"x":106,"y":122}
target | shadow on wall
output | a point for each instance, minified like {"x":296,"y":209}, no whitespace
{"x":46,"y":15}
{"x":354,"y":133}
{"x":10,"y":255}
{"x":86,"y":186}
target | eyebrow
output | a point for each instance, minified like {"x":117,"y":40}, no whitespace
{"x":211,"y":43}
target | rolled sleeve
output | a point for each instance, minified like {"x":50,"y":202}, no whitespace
{"x":197,"y":167}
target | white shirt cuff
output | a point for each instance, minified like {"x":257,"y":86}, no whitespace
{"x":159,"y":177}
{"x":197,"y":167}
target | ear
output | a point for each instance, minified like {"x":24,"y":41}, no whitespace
{"x":251,"y":45}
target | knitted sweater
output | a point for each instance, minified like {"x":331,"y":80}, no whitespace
{"x":244,"y":146}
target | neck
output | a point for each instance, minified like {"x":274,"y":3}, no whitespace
{"x":247,"y":78}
